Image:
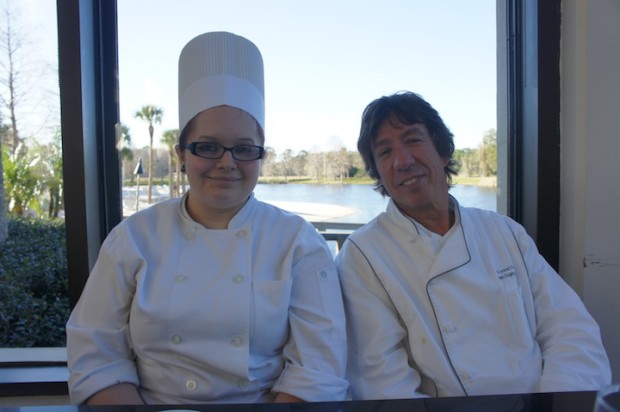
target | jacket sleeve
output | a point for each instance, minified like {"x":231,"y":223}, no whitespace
{"x":98,"y":343}
{"x":568,"y":336}
{"x":378,"y":366}
{"x":315,"y":353}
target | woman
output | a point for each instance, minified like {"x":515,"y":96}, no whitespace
{"x":214,"y":297}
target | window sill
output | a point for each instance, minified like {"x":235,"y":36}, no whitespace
{"x":33,"y":371}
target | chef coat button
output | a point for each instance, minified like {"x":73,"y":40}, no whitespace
{"x":243,"y":383}
{"x":238,"y":278}
{"x":191,"y":385}
{"x":180,"y":278}
{"x":236,"y":341}
{"x":241,"y":233}
{"x":176,"y":339}
{"x":190,"y":235}
{"x":323,"y":274}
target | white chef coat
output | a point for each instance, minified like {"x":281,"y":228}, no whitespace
{"x":193,"y":315}
{"x":477,"y":311}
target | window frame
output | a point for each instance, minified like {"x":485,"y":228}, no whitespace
{"x":88,"y":75}
{"x":88,"y":48}
{"x":533,"y":120}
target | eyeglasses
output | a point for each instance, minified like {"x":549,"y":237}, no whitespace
{"x":210,"y":150}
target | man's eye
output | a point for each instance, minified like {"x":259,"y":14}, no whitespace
{"x":382,"y":153}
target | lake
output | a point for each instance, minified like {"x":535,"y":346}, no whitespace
{"x":324,"y":203}
{"x":355,"y":203}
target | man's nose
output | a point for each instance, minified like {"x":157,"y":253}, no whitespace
{"x":403,"y":158}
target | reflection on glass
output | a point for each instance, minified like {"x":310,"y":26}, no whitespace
{"x":608,"y":399}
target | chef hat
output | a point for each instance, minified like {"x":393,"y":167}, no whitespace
{"x":220,"y":68}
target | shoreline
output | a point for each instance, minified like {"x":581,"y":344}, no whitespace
{"x":488,"y":181}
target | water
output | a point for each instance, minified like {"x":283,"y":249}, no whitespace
{"x":362,"y":199}
{"x":316,"y":203}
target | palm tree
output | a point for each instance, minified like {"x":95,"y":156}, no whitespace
{"x":150,"y":114}
{"x":125,"y":151}
{"x":170,"y":138}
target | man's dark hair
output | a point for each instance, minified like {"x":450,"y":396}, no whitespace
{"x":407,"y":108}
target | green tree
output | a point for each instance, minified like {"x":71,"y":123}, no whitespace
{"x":170,"y":139}
{"x":46,"y":164}
{"x":3,"y":218}
{"x":20,"y":181}
{"x":150,"y":114}
{"x":124,"y":148}
{"x":467,"y":159}
{"x":488,"y":154}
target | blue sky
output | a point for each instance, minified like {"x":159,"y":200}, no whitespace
{"x":325,"y":60}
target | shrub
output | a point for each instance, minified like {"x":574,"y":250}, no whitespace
{"x":34,"y":295}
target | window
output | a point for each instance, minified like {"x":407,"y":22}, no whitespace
{"x":91,"y":119}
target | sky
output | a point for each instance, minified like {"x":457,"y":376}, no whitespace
{"x":325,"y":60}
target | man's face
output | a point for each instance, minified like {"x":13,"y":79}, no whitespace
{"x":410,"y":169}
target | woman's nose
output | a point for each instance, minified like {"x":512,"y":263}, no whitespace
{"x":227,"y":160}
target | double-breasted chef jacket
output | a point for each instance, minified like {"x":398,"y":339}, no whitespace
{"x":476,"y":311}
{"x":193,"y":315}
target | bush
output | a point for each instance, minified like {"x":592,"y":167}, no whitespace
{"x":34,"y":293}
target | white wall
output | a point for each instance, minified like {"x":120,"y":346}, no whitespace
{"x":590,"y":167}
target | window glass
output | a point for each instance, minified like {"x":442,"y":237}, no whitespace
{"x":34,"y":302}
{"x":324,"y":62}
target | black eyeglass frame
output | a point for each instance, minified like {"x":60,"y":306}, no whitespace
{"x":192,"y":148}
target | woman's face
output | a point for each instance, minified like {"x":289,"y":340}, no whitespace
{"x":220,"y":185}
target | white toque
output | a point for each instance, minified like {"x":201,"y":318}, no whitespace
{"x":220,"y":68}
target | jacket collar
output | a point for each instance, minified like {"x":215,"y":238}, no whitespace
{"x":455,"y":251}
{"x":239,"y":220}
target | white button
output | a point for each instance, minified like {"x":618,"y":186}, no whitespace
{"x":236,"y":340}
{"x":176,"y":339}
{"x":191,"y":385}
{"x":238,"y":278}
{"x":180,"y":278}
{"x":243,"y":383}
{"x":241,"y":233}
{"x":190,"y":235}
{"x":449,"y":329}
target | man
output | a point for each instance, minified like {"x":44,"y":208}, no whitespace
{"x":444,"y":300}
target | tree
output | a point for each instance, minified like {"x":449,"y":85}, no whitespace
{"x":488,"y":154}
{"x":20,"y":181}
{"x":10,"y":45}
{"x":269,"y":166}
{"x":467,"y":159}
{"x":125,"y":151}
{"x":150,"y":114}
{"x":3,"y":222}
{"x":46,"y":166}
{"x":287,"y":157}
{"x":170,"y":139}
